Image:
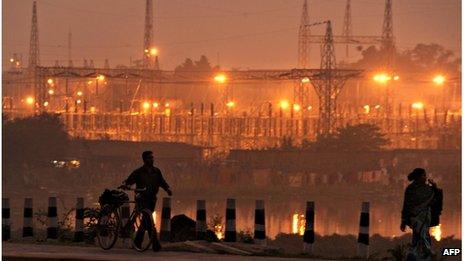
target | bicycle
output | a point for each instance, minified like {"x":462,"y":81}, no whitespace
{"x":140,"y":226}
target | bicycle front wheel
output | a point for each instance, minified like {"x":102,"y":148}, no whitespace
{"x":144,"y":230}
{"x":107,"y":227}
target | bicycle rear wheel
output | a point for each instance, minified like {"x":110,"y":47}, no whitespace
{"x":107,"y":227}
{"x":144,"y":231}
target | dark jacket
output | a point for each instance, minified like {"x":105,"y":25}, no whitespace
{"x":436,"y":207}
{"x":148,"y":177}
{"x":416,"y":197}
{"x":419,"y":196}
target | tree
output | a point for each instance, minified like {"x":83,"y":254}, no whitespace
{"x":202,"y":65}
{"x":360,"y":137}
{"x":352,"y":138}
{"x":187,"y":66}
{"x":324,"y":143}
{"x":34,"y":140}
{"x":373,"y":57}
{"x":432,"y":57}
{"x":422,"y":58}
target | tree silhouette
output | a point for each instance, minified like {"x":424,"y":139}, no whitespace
{"x":202,"y":65}
{"x":360,"y":137}
{"x":34,"y":140}
{"x":432,"y":57}
{"x":352,"y":138}
{"x":422,"y":58}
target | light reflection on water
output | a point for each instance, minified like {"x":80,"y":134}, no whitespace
{"x":343,"y":219}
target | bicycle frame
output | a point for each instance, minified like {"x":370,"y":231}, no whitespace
{"x":130,"y":221}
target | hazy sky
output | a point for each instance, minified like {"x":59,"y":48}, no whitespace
{"x":245,"y":33}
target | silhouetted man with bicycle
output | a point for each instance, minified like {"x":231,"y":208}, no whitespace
{"x":149,"y":178}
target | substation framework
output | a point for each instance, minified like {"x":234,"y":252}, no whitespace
{"x":209,"y":129}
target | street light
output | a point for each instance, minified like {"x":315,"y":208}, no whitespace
{"x":305,"y":80}
{"x":101,"y":77}
{"x":417,"y":105}
{"x":146,"y":105}
{"x":367,"y":108}
{"x":439,"y":79}
{"x":151,"y":52}
{"x":296,"y":107}
{"x":30,"y":100}
{"x":51,"y":91}
{"x":155,"y":105}
{"x":230,"y":104}
{"x":79,"y":93}
{"x":284,"y":104}
{"x":50,"y":81}
{"x":385,"y":78}
{"x":220,"y":78}
{"x":382,"y":78}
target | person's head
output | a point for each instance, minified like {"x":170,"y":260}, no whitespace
{"x":418,"y":175}
{"x":148,"y":158}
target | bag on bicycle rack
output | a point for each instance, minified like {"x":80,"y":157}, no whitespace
{"x":113,"y":197}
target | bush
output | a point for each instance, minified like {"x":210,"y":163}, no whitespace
{"x":245,"y":237}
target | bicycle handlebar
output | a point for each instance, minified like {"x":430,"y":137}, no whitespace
{"x":124,"y":187}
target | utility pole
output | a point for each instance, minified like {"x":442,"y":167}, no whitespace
{"x":388,"y":50}
{"x":347,"y":36}
{"x":328,"y":84}
{"x":148,"y":34}
{"x":347,"y":31}
{"x":300,"y":86}
{"x":388,"y":44}
{"x":34,"y":61}
{"x":303,"y":34}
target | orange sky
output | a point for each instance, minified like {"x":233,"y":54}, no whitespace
{"x":245,"y":33}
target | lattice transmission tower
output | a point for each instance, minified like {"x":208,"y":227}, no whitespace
{"x":347,"y":29}
{"x":388,"y":43}
{"x":328,"y":84}
{"x":301,"y":87}
{"x":34,"y":62}
{"x":149,"y":53}
{"x":34,"y":59}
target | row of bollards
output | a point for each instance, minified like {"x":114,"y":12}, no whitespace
{"x":28,"y":230}
{"x":52,"y":217}
{"x":260,"y":225}
{"x":308,"y":236}
{"x":6,"y":225}
{"x":230,"y":230}
{"x":201,"y":220}
{"x":165,"y":229}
